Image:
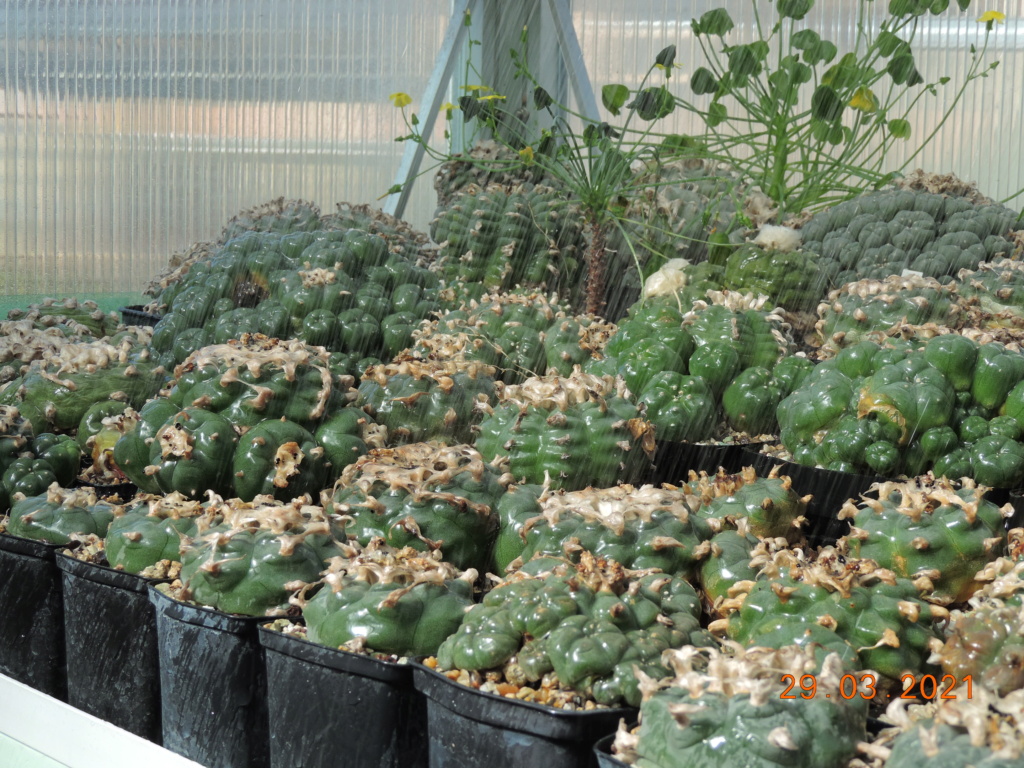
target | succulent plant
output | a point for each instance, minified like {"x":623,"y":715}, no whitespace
{"x":638,"y":528}
{"x":883,"y":233}
{"x":738,"y":707}
{"x":424,"y":495}
{"x":568,"y":432}
{"x":493,"y":239}
{"x":59,"y":514}
{"x":929,"y":528}
{"x":591,"y":624}
{"x":397,"y":601}
{"x":427,"y":400}
{"x":259,"y":554}
{"x":153,"y":528}
{"x":881,"y":618}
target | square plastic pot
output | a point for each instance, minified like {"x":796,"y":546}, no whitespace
{"x":112,"y":658}
{"x":470,"y":729}
{"x":673,"y":461}
{"x":829,"y":490}
{"x":603,"y":753}
{"x":32,"y":615}
{"x":213,"y":687}
{"x":330,"y":708}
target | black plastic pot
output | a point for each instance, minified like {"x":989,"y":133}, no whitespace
{"x":136,"y":314}
{"x":112,"y":659}
{"x":32,"y":615}
{"x":213,"y":688}
{"x":603,"y":753}
{"x":470,"y":729}
{"x":674,"y":461}
{"x":829,"y":490}
{"x":329,"y":708}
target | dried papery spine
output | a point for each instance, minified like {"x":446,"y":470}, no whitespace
{"x":929,"y":529}
{"x":733,"y":705}
{"x":977,"y":729}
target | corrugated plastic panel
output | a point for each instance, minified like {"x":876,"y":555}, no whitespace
{"x":130,"y":129}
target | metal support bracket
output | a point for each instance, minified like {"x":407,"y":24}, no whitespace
{"x":433,"y":94}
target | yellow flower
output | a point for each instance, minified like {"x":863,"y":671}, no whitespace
{"x":400,"y":99}
{"x":990,"y":16}
{"x":526,"y":153}
{"x":448,"y":106}
{"x":475,"y":88}
{"x":864,"y":100}
{"x":491,"y":97}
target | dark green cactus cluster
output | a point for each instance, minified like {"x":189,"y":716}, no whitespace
{"x":873,"y":618}
{"x":721,"y":365}
{"x":930,"y":529}
{"x":590,"y":624}
{"x":151,"y":531}
{"x":29,"y":465}
{"x":342,"y":289}
{"x":494,"y":239}
{"x":879,"y":234}
{"x":522,"y":334}
{"x":59,"y":515}
{"x":428,"y":400}
{"x":978,"y":729}
{"x":256,"y":556}
{"x":953,"y":406}
{"x":252,"y":416}
{"x":55,"y":392}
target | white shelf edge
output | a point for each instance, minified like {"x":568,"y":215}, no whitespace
{"x":75,"y":738}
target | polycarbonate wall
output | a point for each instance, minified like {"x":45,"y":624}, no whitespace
{"x":129,"y":129}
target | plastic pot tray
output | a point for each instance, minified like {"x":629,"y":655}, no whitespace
{"x":112,"y":657}
{"x":329,"y":707}
{"x":32,"y":615}
{"x":470,"y":729}
{"x":212,"y":684}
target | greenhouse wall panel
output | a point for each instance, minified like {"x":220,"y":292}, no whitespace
{"x":129,"y":130}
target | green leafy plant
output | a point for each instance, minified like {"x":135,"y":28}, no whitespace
{"x":787,"y":113}
{"x":807,"y":124}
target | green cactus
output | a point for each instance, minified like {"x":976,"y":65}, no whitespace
{"x":636,"y":527}
{"x":154,"y":528}
{"x":742,"y":710}
{"x":257,"y":557}
{"x":55,"y":393}
{"x":591,"y":624}
{"x":61,"y":514}
{"x":569,"y":432}
{"x":975,"y":728}
{"x":426,"y":496}
{"x":929,"y":528}
{"x":256,"y":378}
{"x":279,"y":215}
{"x":882,"y":618}
{"x":495,"y":240}
{"x":770,"y":506}
{"x":280,"y":459}
{"x":427,"y":400}
{"x":397,"y":601}
{"x":879,"y":234}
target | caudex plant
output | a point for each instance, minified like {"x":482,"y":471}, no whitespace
{"x":791,"y":115}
